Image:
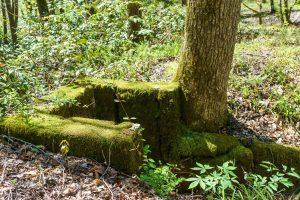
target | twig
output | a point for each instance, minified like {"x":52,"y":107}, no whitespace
{"x":295,"y":192}
{"x":10,"y":195}
{"x":263,"y":56}
{"x":255,"y":11}
{"x":108,"y":164}
{"x":3,"y":172}
{"x":41,"y":176}
{"x":63,"y":178}
{"x":112,"y":194}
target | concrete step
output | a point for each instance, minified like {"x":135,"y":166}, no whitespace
{"x":101,"y":140}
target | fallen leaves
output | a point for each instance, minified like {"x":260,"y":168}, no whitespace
{"x":31,"y":175}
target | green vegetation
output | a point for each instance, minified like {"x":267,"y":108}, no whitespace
{"x":162,"y":178}
{"x":266,"y":69}
{"x":74,"y":43}
{"x":222,"y":182}
{"x":80,"y":64}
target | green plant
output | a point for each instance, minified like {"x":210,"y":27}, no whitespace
{"x":160,"y":177}
{"x":76,"y":43}
{"x":222,"y":183}
{"x":64,"y":147}
{"x":218,"y":182}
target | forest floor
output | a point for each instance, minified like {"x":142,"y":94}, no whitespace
{"x":264,"y":84}
{"x":28,"y":173}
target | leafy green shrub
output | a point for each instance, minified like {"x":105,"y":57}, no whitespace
{"x":76,"y":43}
{"x":222,"y":183}
{"x":159,"y":177}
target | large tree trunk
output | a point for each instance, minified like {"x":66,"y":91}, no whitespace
{"x":4,"y":21}
{"x":12,"y":7}
{"x":206,"y":59}
{"x":42,"y":8}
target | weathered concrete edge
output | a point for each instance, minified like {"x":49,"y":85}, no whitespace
{"x":95,"y":139}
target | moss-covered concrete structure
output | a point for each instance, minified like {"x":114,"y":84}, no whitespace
{"x":97,"y":117}
{"x":87,"y":137}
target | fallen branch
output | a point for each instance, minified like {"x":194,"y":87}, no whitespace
{"x":108,"y":164}
{"x":3,"y":172}
{"x":112,"y":194}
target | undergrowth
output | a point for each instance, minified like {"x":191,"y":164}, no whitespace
{"x":266,"y":70}
{"x":221,"y":182}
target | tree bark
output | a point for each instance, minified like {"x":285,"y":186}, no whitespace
{"x":12,"y":7}
{"x":281,"y":11}
{"x":286,"y":11}
{"x":4,"y":21}
{"x":206,"y":59}
{"x":134,"y":10}
{"x":42,"y":8}
{"x":272,"y":7}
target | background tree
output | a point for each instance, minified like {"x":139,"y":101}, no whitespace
{"x":210,"y":30}
{"x":4,"y":22}
{"x":272,"y":5}
{"x":285,"y":10}
{"x":258,"y":12}
{"x":42,"y":8}
{"x":12,"y":7}
{"x":134,"y":13}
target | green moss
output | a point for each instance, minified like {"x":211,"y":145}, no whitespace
{"x":101,"y":123}
{"x":171,"y":69}
{"x":276,"y":154}
{"x":241,"y":155}
{"x":87,"y":137}
{"x":68,"y":92}
{"x":105,"y":105}
{"x":70,"y":100}
{"x":154,"y":105}
{"x":169,"y":118}
{"x":210,"y":148}
{"x":139,"y":100}
{"x":199,"y":145}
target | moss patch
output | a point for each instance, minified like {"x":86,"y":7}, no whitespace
{"x":87,"y":137}
{"x":71,"y":100}
{"x":210,"y":148}
{"x":139,"y":100}
{"x":276,"y":154}
{"x":169,"y":117}
{"x":192,"y":144}
{"x":154,"y":105}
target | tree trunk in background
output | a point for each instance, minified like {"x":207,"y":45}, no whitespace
{"x":12,"y":7}
{"x":206,"y":59}
{"x":281,"y":11}
{"x":272,"y":7}
{"x":260,"y":21}
{"x":42,"y":8}
{"x":4,"y":21}
{"x":134,"y":10}
{"x":28,"y":5}
{"x":286,"y":11}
